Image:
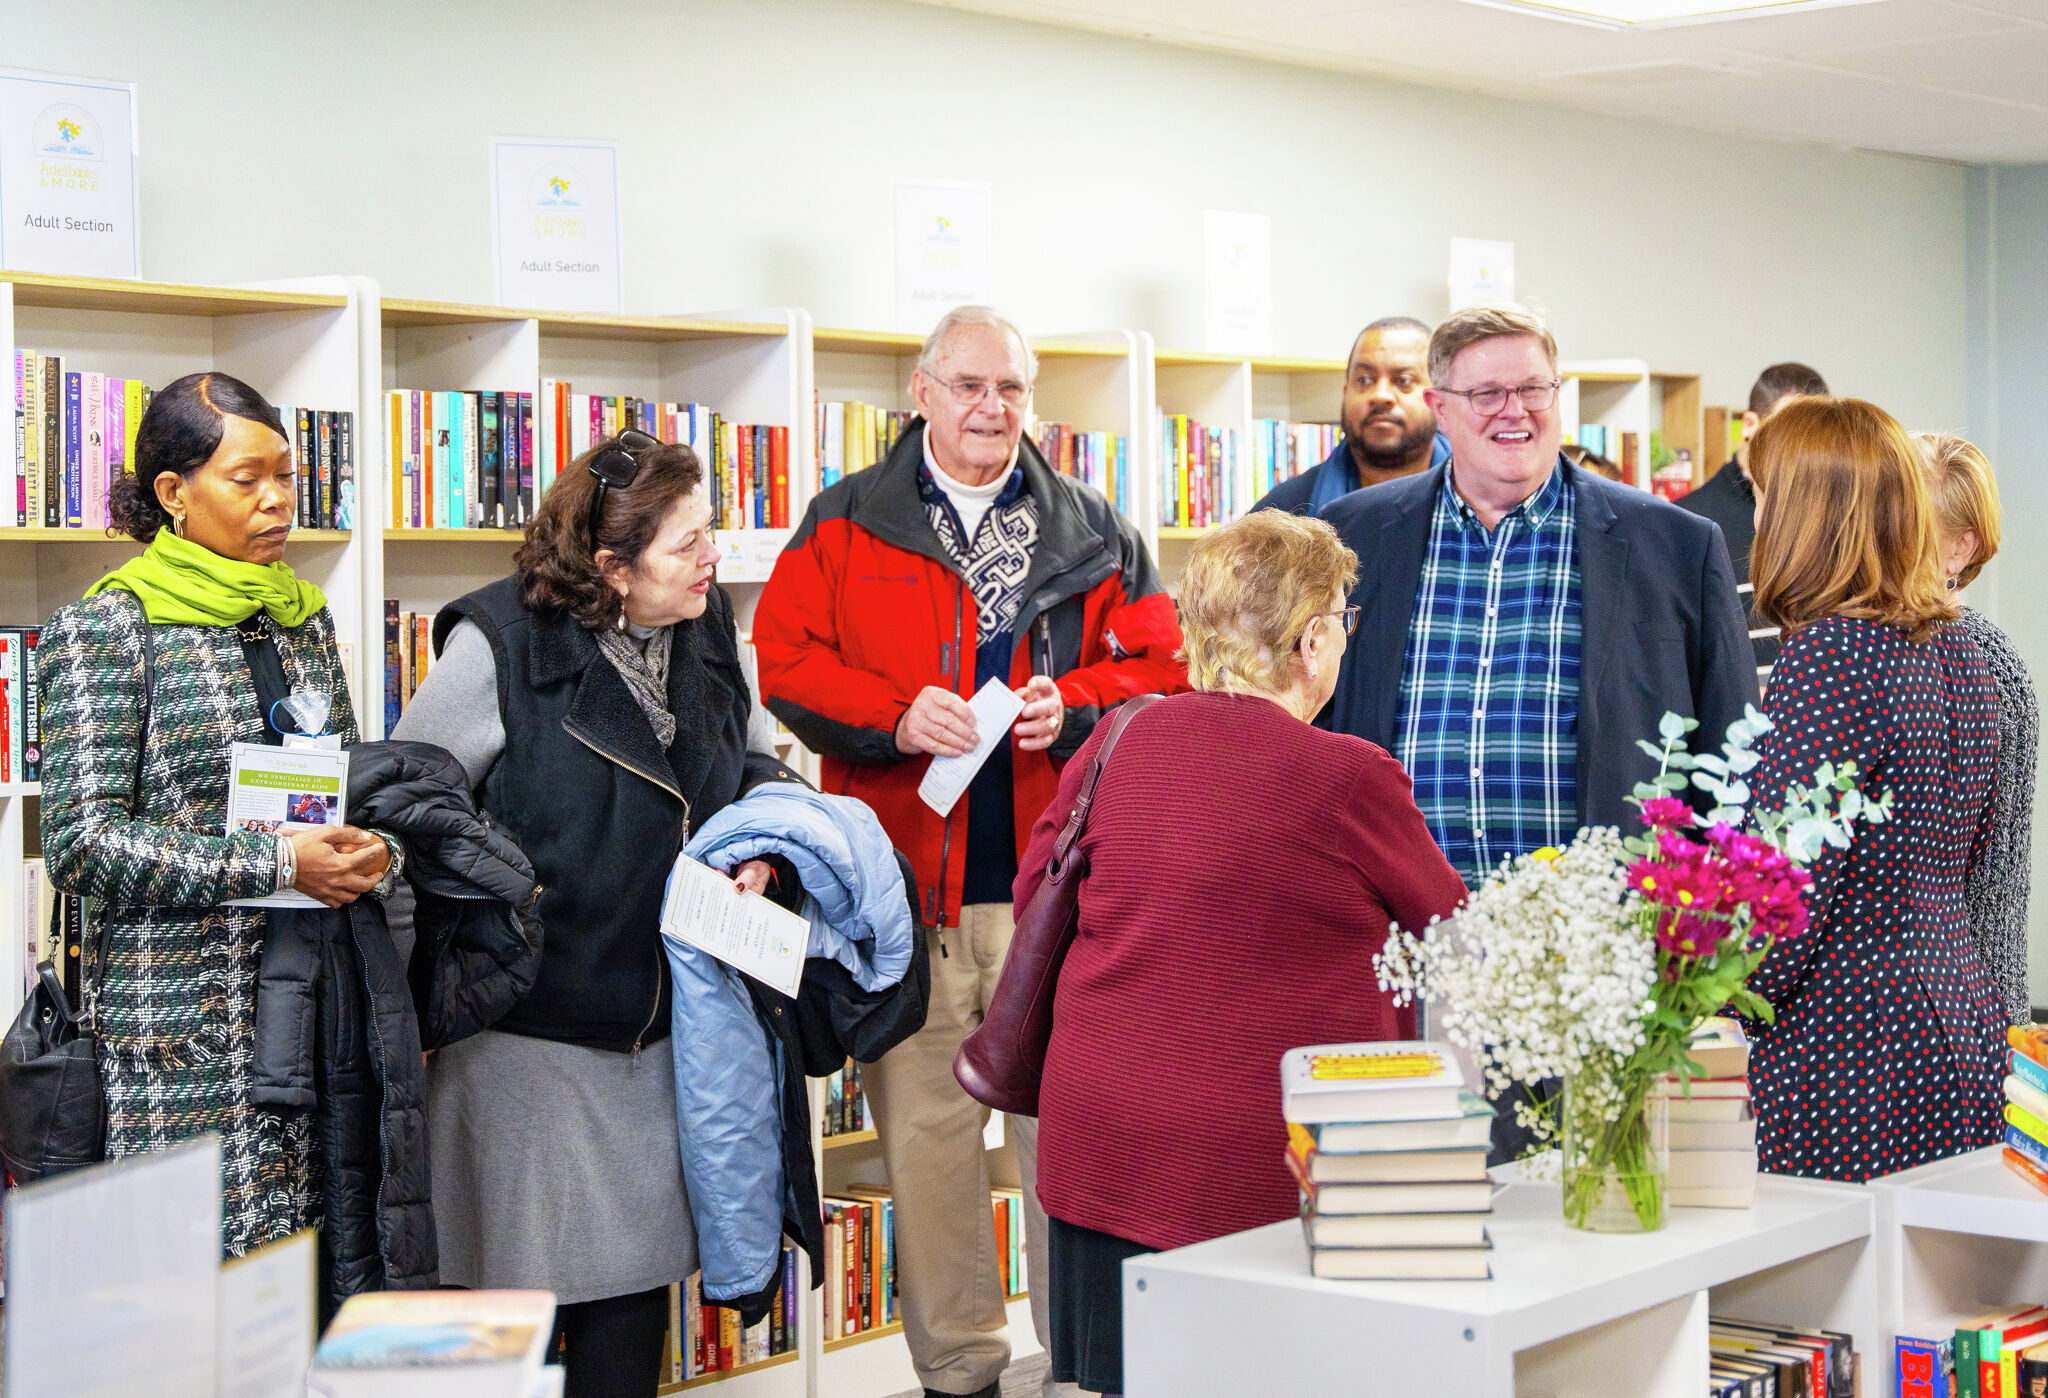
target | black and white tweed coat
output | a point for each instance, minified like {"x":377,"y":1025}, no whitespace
{"x":175,"y":1015}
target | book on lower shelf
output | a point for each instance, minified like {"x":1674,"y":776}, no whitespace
{"x":1758,"y":1359}
{"x":1198,"y":473}
{"x":860,"y":1260}
{"x":1388,"y":1152}
{"x":21,"y":721}
{"x":846,"y":1105}
{"x":706,"y":1338}
{"x":408,"y":657}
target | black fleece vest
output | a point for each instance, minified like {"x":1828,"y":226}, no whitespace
{"x":597,"y":805}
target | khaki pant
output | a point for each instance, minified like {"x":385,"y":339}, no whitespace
{"x":951,"y":1289}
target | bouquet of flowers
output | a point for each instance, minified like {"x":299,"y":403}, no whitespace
{"x":1594,"y":963}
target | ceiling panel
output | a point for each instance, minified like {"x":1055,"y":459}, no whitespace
{"x":1953,"y":79}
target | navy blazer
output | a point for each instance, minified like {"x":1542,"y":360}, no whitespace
{"x":1662,"y":626}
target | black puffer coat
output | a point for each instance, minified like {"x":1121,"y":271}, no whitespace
{"x":336,"y":1031}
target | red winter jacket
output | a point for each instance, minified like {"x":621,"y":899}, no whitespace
{"x":865,"y":609}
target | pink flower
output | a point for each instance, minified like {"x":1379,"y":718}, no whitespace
{"x":1666,"y":812}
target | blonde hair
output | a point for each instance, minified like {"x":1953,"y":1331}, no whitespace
{"x":1965,"y":495}
{"x":1466,"y":328}
{"x":1846,"y":527}
{"x":1248,"y":593}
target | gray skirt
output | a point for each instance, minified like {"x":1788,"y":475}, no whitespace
{"x":556,"y":1167}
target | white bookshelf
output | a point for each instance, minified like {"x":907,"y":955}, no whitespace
{"x":1567,"y":1313}
{"x":1221,"y":390}
{"x":298,"y":342}
{"x":1964,"y":1234}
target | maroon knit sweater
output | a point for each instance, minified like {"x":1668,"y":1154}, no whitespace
{"x":1243,"y":867}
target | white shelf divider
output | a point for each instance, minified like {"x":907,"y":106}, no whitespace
{"x":1566,"y":1311}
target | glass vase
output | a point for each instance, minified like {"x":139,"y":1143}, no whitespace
{"x":1616,"y":1151}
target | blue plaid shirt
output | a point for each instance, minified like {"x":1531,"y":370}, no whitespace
{"x":1489,"y":717}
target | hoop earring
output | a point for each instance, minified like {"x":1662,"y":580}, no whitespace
{"x":178,"y":525}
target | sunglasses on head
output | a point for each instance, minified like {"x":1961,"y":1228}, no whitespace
{"x":616,"y":467}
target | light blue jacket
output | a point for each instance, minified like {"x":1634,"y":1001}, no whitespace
{"x":729,"y":1067}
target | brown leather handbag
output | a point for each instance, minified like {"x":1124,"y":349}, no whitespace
{"x":1001,"y":1063}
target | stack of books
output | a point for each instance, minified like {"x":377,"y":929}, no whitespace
{"x":1998,"y":1354}
{"x":1713,"y":1129}
{"x":1752,"y":1360}
{"x":2026,"y":1103}
{"x":1389,"y":1150}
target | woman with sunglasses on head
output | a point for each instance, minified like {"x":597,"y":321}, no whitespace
{"x":1183,"y":956}
{"x":598,"y":702}
{"x":193,"y":646}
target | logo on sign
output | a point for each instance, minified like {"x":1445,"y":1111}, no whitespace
{"x":557,"y":188}
{"x":67,"y":132}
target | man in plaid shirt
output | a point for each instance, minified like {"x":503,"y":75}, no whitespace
{"x":1524,"y":622}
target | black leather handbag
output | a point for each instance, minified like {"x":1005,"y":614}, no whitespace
{"x":53,"y":1110}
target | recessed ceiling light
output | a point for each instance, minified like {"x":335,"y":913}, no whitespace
{"x":1660,"y":14}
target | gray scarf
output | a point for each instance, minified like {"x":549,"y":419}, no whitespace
{"x":645,"y":672}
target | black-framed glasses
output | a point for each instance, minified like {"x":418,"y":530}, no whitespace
{"x":1488,"y":401}
{"x":616,"y":467}
{"x":970,"y":392}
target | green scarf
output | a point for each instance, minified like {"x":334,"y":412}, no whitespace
{"x":180,"y":583}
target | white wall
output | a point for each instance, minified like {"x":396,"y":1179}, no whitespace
{"x":758,"y":140}
{"x":2009,"y":334}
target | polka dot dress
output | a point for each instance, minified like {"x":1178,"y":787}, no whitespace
{"x":1888,"y":1046}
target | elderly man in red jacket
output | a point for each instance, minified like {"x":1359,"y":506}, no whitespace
{"x":963,"y":558}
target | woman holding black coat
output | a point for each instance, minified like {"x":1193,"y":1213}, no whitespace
{"x":145,"y":683}
{"x":598,"y":700}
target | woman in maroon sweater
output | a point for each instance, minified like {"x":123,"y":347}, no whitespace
{"x":1243,"y":867}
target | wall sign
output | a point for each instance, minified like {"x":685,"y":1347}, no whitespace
{"x":1238,"y":264}
{"x":943,"y":231}
{"x":555,"y":224}
{"x":67,"y":175}
{"x":1482,"y":273}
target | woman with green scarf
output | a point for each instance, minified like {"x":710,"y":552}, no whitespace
{"x":135,"y":788}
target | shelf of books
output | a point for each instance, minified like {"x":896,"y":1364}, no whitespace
{"x":482,"y":406}
{"x":1227,"y":430}
{"x":84,"y":356}
{"x":1965,"y":1245}
{"x":1091,"y":400}
{"x":1649,"y":426}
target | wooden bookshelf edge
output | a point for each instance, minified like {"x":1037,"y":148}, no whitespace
{"x":850,"y":1138}
{"x":894,"y":1327}
{"x":65,"y":534}
{"x":49,"y":292}
{"x":702,"y":1379}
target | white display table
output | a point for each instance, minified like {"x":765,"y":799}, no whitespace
{"x":1567,"y":1313}
{"x":1959,"y":1235}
